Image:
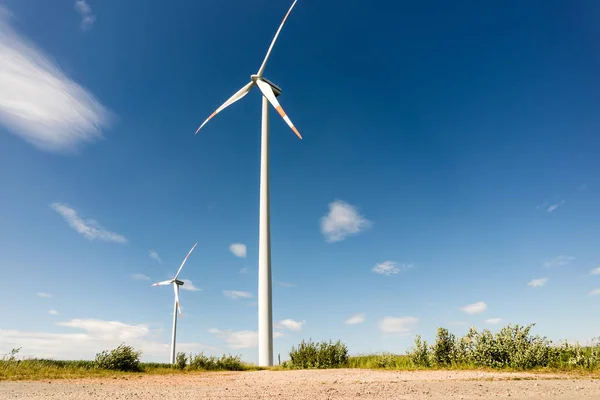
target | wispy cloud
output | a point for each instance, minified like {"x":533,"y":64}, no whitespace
{"x":358,"y":318}
{"x":237,"y":294}
{"x":341,"y":221}
{"x":240,"y":339}
{"x":139,"y":277}
{"x":38,"y":102}
{"x":390,"y":268}
{"x":87,"y":17}
{"x":238,"y":249}
{"x":52,"y":312}
{"x":558,"y":261}
{"x":474,"y":308}
{"x":537,"y":282}
{"x":154,"y":255}
{"x":397,"y":325}
{"x":595,"y":271}
{"x":493,"y":321}
{"x":290,"y":324}
{"x":554,"y":206}
{"x":188,"y":285}
{"x":244,"y":270}
{"x":595,"y":292}
{"x":582,"y":187}
{"x":91,"y":336}
{"x":89,"y":228}
{"x":42,"y":294}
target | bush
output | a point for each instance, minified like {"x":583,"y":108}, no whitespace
{"x":123,"y":358}
{"x":419,"y":355}
{"x":180,"y":361}
{"x":442,"y":351}
{"x":318,"y":355}
{"x":212,"y":363}
{"x":511,"y":347}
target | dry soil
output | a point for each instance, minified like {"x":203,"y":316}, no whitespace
{"x":312,"y":384}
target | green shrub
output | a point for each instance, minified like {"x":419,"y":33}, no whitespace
{"x":318,"y":355}
{"x":180,"y":361}
{"x":123,"y":358}
{"x":419,"y":355}
{"x":442,"y":351}
{"x":511,"y":347}
{"x":212,"y":363}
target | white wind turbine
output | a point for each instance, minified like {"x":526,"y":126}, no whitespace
{"x":270,"y":93}
{"x":176,"y":283}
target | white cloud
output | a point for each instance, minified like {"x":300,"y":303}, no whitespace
{"x":154,"y":255}
{"x":42,"y":294}
{"x":558,"y":261}
{"x":394,"y":325}
{"x":356,"y":319}
{"x":537,"y":282}
{"x":474,"y":308}
{"x":493,"y":321}
{"x":555,"y":206}
{"x":237,"y":294}
{"x":91,"y":336}
{"x":240,"y":339}
{"x":188,"y":285}
{"x":140,"y":277}
{"x":390,"y":267}
{"x":87,"y":17}
{"x":53,"y":312}
{"x":38,"y":102}
{"x":342,"y":220}
{"x":290,"y":324}
{"x":595,"y":271}
{"x":244,"y":270}
{"x":238,"y":249}
{"x":89,"y":228}
{"x":595,"y":292}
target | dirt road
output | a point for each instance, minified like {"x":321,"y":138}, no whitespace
{"x":311,"y":385}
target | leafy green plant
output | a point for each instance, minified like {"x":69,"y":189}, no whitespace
{"x":212,"y":363}
{"x":123,"y":358}
{"x":512,"y":347}
{"x":318,"y":355}
{"x":180,"y":361}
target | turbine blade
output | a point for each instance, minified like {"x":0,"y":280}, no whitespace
{"x":185,"y":259}
{"x":176,"y":287}
{"x":162,"y":283}
{"x":265,"y":88}
{"x":264,"y":64}
{"x":238,"y":95}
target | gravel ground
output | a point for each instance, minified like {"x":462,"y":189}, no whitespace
{"x":311,"y":384}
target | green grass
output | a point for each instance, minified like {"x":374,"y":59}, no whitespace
{"x":512,"y":348}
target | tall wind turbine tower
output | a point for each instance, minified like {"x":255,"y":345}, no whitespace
{"x":270,"y":93}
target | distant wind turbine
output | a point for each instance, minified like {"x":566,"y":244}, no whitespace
{"x":176,"y":283}
{"x":270,"y":93}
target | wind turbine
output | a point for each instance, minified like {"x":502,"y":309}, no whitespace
{"x":176,"y":283}
{"x":270,"y":93}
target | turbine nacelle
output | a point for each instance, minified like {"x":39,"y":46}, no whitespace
{"x":276,"y":89}
{"x":269,"y":90}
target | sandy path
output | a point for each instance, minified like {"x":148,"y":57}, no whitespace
{"x":329,"y":384}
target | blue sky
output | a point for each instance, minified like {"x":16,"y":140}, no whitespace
{"x":447,"y":176}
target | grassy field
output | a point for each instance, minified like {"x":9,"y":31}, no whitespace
{"x":512,"y":348}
